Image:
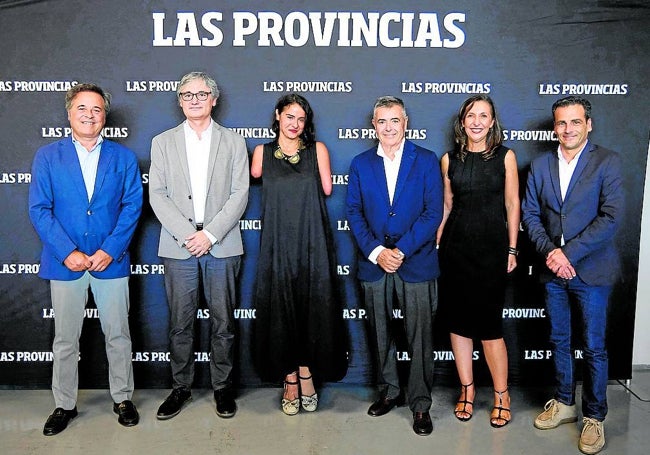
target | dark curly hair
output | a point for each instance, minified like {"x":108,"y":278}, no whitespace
{"x":308,"y":135}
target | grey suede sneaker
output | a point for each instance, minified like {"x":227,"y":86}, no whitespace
{"x":592,"y":438}
{"x":555,"y":414}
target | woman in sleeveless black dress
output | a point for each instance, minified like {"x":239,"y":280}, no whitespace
{"x":299,"y":329}
{"x":478,"y":248}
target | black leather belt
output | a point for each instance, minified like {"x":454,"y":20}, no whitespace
{"x":199,"y":226}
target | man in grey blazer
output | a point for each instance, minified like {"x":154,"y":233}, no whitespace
{"x":198,"y":189}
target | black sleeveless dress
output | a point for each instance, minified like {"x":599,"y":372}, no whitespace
{"x":299,"y":318}
{"x":474,"y":247}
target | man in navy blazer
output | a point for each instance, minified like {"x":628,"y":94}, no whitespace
{"x":84,"y":202}
{"x":572,"y":209}
{"x":394,"y":207}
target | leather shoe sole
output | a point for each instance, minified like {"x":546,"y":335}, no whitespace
{"x":384,"y":405}
{"x":58,"y":421}
{"x":422,"y":424}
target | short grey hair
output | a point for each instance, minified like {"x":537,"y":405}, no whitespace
{"x":388,"y":101}
{"x":189,"y":77}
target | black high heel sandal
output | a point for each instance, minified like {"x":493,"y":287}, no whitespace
{"x":501,"y":409}
{"x":458,"y":412}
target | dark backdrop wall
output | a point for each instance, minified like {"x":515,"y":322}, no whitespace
{"x":341,"y":56}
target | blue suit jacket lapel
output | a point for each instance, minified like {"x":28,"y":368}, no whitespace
{"x":72,"y":167}
{"x":580,"y":167}
{"x":554,"y":171}
{"x":408,"y":158}
{"x":377,"y":164}
{"x":105,"y":158}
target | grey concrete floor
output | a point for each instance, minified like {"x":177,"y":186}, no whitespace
{"x":340,"y":426}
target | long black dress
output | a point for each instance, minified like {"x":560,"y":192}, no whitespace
{"x":474,"y":247}
{"x":298,"y":319}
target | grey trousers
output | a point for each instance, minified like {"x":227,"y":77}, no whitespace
{"x":69,"y":299}
{"x":184,"y":280}
{"x":418,"y":302}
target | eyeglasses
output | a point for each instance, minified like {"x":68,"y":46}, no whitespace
{"x":189,"y":96}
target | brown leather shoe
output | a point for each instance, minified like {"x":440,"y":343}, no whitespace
{"x":384,"y":405}
{"x":422,"y":424}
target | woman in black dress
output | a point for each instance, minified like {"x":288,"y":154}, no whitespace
{"x":299,"y":328}
{"x":478,"y":248}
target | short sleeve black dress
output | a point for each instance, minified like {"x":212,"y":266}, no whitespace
{"x":474,"y":247}
{"x":298,"y":318}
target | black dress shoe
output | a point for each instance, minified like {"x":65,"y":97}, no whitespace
{"x":58,"y":421}
{"x":422,"y":424}
{"x":174,"y":403}
{"x":384,"y":405}
{"x":226,"y":406}
{"x":128,"y":414}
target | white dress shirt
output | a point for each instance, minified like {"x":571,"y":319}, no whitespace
{"x":391,"y":168}
{"x":566,"y":170}
{"x":198,"y":156}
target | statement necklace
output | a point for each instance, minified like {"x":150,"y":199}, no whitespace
{"x":293,"y":159}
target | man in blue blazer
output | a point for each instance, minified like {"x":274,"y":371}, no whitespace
{"x":84,"y":202}
{"x":394,"y":207}
{"x":572,"y":209}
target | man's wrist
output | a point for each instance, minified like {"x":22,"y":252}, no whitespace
{"x":375,"y":254}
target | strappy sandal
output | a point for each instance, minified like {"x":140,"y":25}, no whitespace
{"x":309,"y":402}
{"x":459,"y":412}
{"x":290,"y":407}
{"x":494,"y":420}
